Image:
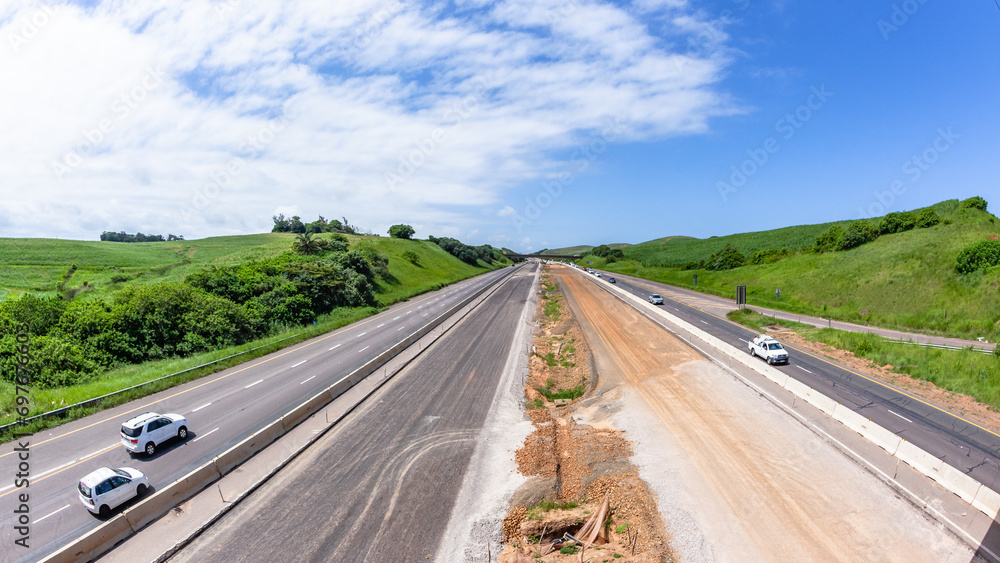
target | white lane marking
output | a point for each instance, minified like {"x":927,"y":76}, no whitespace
{"x":52,"y":514}
{"x":400,"y":328}
{"x":203,"y":435}
{"x":54,"y":469}
{"x":381,"y":325}
{"x":395,"y":318}
{"x":747,"y":341}
{"x":360,"y":335}
{"x":201,"y":407}
{"x":335,"y":346}
{"x":803,"y":369}
{"x":420,"y":306}
{"x":254,"y":383}
{"x":901,"y":416}
{"x":365,"y":348}
{"x":310,"y":379}
{"x":424,"y":315}
{"x":409,"y":312}
{"x":300,"y":363}
{"x":703,"y":322}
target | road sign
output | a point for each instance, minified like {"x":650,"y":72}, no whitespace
{"x":696,"y":279}
{"x":777,"y":293}
{"x":741,"y":295}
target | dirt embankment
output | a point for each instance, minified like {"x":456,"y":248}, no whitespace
{"x":574,"y":467}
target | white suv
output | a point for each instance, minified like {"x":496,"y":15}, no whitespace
{"x":655,"y":299}
{"x":107,"y":488}
{"x":148,"y":430}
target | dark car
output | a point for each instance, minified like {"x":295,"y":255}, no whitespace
{"x":611,"y":280}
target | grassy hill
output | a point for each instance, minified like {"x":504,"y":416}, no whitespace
{"x":905,"y":280}
{"x":581,"y":250}
{"x":46,"y":266}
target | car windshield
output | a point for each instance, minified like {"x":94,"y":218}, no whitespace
{"x":84,"y":490}
{"x":774,"y":346}
{"x":131,"y":432}
{"x":656,"y":296}
{"x":122,"y":473}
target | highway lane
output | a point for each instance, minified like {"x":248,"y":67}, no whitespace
{"x":381,"y":486}
{"x":962,"y":444}
{"x":222,"y":409}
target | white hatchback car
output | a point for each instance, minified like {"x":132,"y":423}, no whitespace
{"x":106,"y":488}
{"x":148,"y":430}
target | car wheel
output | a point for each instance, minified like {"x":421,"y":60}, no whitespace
{"x":770,"y":362}
{"x":753,"y":354}
{"x":182,"y":433}
{"x":140,"y":490}
{"x":104,"y":511}
{"x":150,"y":448}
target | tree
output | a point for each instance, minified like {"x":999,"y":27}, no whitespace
{"x":858,"y":233}
{"x":295,"y":225}
{"x":897,"y":222}
{"x":927,"y":218}
{"x":306,"y":244}
{"x":829,"y":240}
{"x":281,"y":225}
{"x":975,"y":203}
{"x":401,"y":231}
{"x":726,"y":259}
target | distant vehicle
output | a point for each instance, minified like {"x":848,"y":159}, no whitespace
{"x":147,"y":431}
{"x":769,"y":349}
{"x":106,"y":488}
{"x":611,"y":280}
{"x":598,"y":274}
{"x":655,"y":299}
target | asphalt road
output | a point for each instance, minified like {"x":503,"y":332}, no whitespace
{"x":221,"y":409}
{"x":381,"y":486}
{"x":962,"y":444}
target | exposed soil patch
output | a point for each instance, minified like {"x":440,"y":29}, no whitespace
{"x":961,"y":404}
{"x":574,"y":467}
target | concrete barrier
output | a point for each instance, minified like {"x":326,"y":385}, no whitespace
{"x":811,"y":396}
{"x":173,"y":494}
{"x":229,"y":459}
{"x":873,"y":432}
{"x":97,"y":541}
{"x":962,"y":485}
{"x":305,"y":410}
{"x":987,"y":501}
{"x":920,"y":460}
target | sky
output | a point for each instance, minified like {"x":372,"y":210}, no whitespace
{"x":525,"y":124}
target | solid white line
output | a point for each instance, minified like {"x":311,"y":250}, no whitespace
{"x":254,"y":383}
{"x":381,"y":325}
{"x":360,"y":335}
{"x":901,"y":416}
{"x":335,"y":346}
{"x":52,"y":514}
{"x":201,"y":407}
{"x":802,"y":368}
{"x":311,"y":378}
{"x":203,"y":435}
{"x":300,"y":363}
{"x":365,"y":348}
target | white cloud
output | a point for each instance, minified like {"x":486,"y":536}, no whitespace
{"x":376,"y":110}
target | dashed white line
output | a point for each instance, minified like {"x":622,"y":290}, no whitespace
{"x":409,"y":312}
{"x":363,"y":349}
{"x":901,"y":416}
{"x":400,"y":328}
{"x":310,"y":379}
{"x":254,"y":383}
{"x":747,"y":341}
{"x":201,"y":407}
{"x":424,"y":315}
{"x":360,"y":335}
{"x":52,"y":514}
{"x":300,"y":363}
{"x":703,"y":322}
{"x":803,"y":369}
{"x":381,"y":325}
{"x":203,"y":435}
{"x":395,"y":318}
{"x":335,"y":346}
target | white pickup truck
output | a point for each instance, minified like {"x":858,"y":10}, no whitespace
{"x":769,"y":349}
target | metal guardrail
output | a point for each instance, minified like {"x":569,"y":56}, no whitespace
{"x":941,"y":346}
{"x":63,"y":410}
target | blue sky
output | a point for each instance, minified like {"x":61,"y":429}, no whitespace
{"x":525,"y":124}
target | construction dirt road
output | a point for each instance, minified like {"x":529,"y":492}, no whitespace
{"x":736,"y":478}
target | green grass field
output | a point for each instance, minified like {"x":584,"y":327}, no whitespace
{"x":905,"y":280}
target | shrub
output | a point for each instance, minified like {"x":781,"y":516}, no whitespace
{"x":769,"y":256}
{"x":927,"y":218}
{"x":974,"y":203}
{"x":856,"y":234}
{"x":412,"y":257}
{"x":829,"y":240}
{"x":401,"y":231}
{"x":978,"y":255}
{"x":897,"y":222}
{"x":726,"y":259}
